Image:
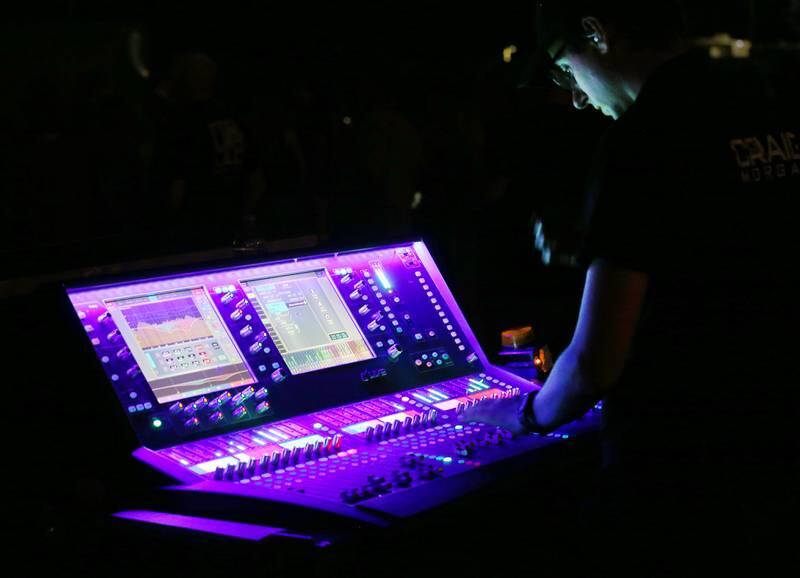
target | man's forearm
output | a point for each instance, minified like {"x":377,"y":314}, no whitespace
{"x":568,"y":392}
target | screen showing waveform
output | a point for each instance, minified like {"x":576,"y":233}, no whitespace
{"x":166,"y":322}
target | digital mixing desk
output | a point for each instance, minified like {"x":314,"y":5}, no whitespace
{"x":331,"y":383}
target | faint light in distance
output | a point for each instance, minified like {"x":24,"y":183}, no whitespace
{"x":347,"y":121}
{"x":508,"y":53}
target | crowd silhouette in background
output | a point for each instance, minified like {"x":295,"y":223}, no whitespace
{"x":138,"y":139}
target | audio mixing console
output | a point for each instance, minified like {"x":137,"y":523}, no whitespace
{"x":332,"y":382}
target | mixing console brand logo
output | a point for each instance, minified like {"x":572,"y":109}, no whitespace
{"x":372,"y":374}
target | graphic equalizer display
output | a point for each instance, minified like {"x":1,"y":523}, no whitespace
{"x":179,"y":343}
{"x":167,"y":322}
{"x":307,"y":321}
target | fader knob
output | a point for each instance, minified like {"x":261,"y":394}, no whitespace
{"x":265,"y":462}
{"x":285,"y":455}
{"x":396,"y":427}
{"x":370,"y":432}
{"x":191,"y":423}
{"x":378,"y":431}
{"x":416,"y":421}
{"x":240,"y":412}
{"x":241,"y":470}
{"x":327,"y":445}
{"x":219,"y":473}
{"x":230,"y":471}
{"x":318,"y":447}
{"x":407,"y":423}
{"x":432,"y":417}
{"x":337,"y":442}
{"x":295,"y":456}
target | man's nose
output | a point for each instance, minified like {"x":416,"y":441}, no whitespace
{"x":579,"y":98}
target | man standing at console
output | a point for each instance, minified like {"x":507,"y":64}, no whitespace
{"x":688,"y":312}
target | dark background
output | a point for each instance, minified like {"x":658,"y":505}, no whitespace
{"x":348,"y":125}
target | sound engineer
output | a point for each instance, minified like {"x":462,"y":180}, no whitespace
{"x":687,"y":304}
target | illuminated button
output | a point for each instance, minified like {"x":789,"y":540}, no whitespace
{"x":215,"y":417}
{"x":197,"y":405}
{"x":123,"y":353}
{"x":262,"y":407}
{"x":220,"y":400}
{"x":191,"y":423}
{"x":395,"y":351}
{"x":278,"y":375}
{"x":237,"y":314}
{"x":157,"y":423}
{"x":240,"y":412}
{"x":228,"y":297}
{"x":262,"y":393}
{"x":176,"y":408}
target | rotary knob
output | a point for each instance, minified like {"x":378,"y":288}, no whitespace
{"x":394,"y":351}
{"x":278,"y":375}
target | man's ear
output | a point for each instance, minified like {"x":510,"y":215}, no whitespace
{"x":596,"y":33}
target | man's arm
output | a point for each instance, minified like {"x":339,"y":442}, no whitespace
{"x":593,"y":362}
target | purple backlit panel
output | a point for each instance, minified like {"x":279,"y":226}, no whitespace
{"x":331,"y":384}
{"x":223,"y":349}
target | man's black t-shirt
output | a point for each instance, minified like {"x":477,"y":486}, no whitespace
{"x":697,"y":186}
